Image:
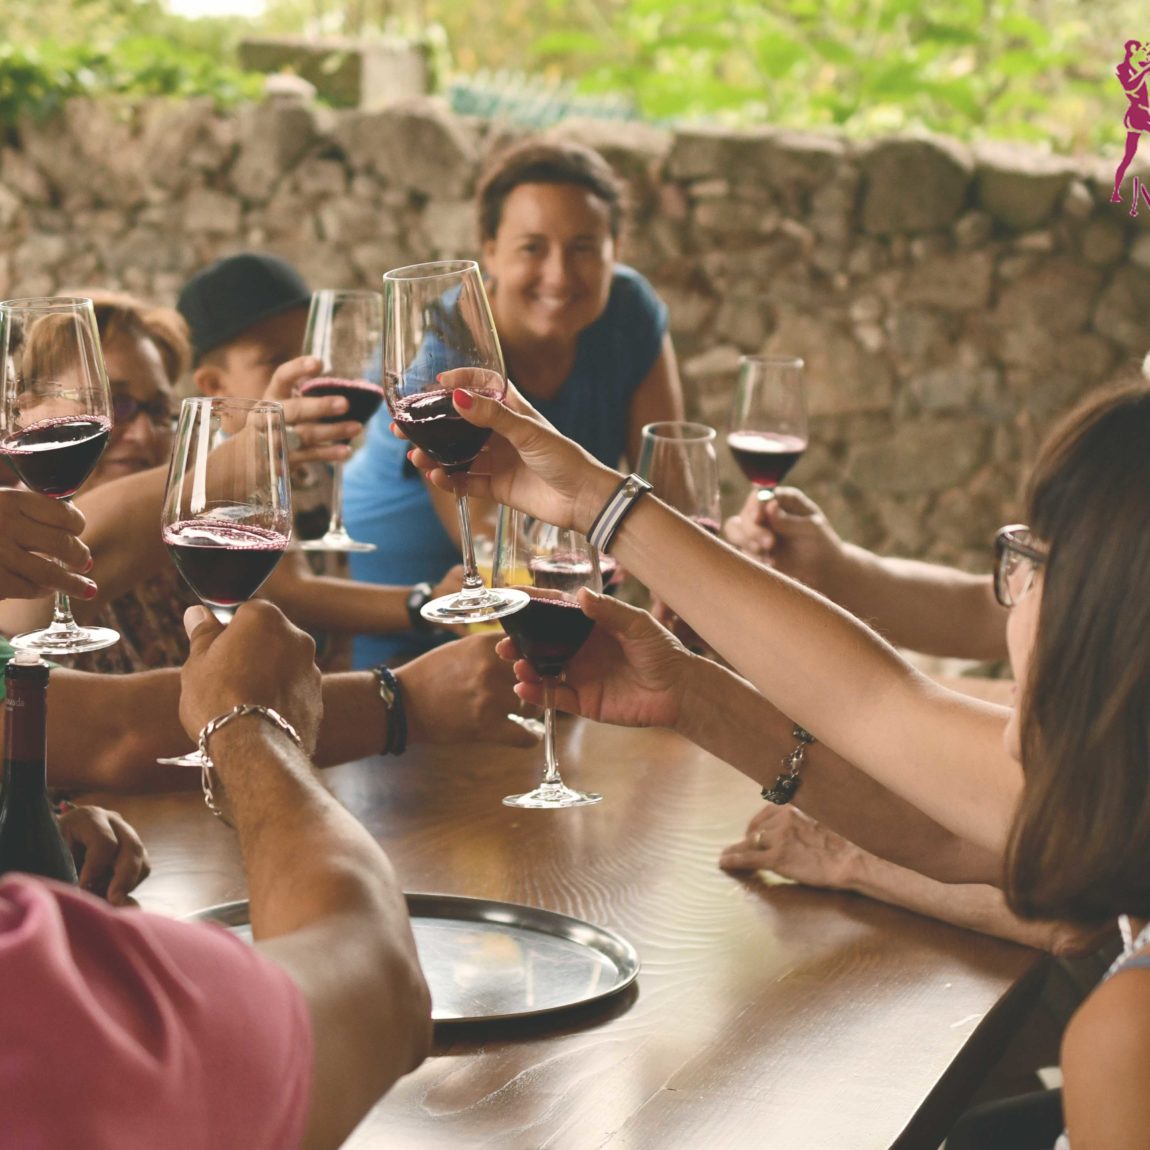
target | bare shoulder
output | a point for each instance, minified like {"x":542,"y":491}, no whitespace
{"x":1106,"y":1065}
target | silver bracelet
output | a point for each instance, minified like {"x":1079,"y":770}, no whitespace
{"x":784,"y":787}
{"x":213,"y":725}
{"x":615,"y":510}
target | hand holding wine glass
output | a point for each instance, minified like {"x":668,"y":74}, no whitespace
{"x":554,"y":563}
{"x":227,"y":508}
{"x":768,"y":427}
{"x":439,"y":340}
{"x":345,"y":336}
{"x":55,"y":419}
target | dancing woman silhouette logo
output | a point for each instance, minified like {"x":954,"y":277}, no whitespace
{"x":1132,"y":75}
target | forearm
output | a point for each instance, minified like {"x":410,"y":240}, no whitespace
{"x":921,"y":606}
{"x":725,"y":715}
{"x":326,"y":603}
{"x":972,"y":906}
{"x":829,"y":673}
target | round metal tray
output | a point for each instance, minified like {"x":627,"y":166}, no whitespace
{"x":487,"y":960}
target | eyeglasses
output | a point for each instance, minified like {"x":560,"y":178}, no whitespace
{"x":1016,"y":562}
{"x":126,"y":408}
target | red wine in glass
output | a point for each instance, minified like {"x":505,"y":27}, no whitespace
{"x":765,"y":457}
{"x":363,"y":397}
{"x":224,"y":563}
{"x":55,"y":456}
{"x":548,"y":633}
{"x":345,"y":334}
{"x":430,"y":421}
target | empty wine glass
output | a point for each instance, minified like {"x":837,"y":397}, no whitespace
{"x":55,"y":419}
{"x":679,"y":459}
{"x":768,"y":427}
{"x":553,"y":563}
{"x":227,"y":507}
{"x":345,"y":333}
{"x":439,"y":336}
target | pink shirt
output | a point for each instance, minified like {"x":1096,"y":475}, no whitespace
{"x":123,"y":1029}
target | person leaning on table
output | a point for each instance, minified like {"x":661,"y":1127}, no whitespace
{"x":127,"y":1029}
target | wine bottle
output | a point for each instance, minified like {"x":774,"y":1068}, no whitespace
{"x":30,"y":840}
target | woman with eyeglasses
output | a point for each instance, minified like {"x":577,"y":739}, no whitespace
{"x":145,"y":349}
{"x":1053,"y":795}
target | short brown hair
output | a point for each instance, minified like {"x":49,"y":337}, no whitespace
{"x":1080,"y":846}
{"x":118,"y":313}
{"x":539,"y":161}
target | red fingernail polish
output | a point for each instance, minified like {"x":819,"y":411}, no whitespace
{"x":90,"y":564}
{"x":90,"y":591}
{"x":463,"y":398}
{"x":410,"y":454}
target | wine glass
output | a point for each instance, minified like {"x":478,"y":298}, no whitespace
{"x":227,"y":507}
{"x":550,"y":628}
{"x":345,"y":333}
{"x":768,"y":429}
{"x":679,"y":459}
{"x":438,"y":336}
{"x":55,"y":419}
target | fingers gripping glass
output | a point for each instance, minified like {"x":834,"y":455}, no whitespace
{"x":345,"y":333}
{"x":1017,"y":559}
{"x":551,"y":564}
{"x":768,"y":423}
{"x":55,"y":419}
{"x":227,"y":508}
{"x":438,"y":336}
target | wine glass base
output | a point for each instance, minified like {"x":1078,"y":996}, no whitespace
{"x":66,"y":640}
{"x":335,"y":543}
{"x":191,"y":759}
{"x":552,"y":796}
{"x":478,"y":607}
{"x":532,"y":726}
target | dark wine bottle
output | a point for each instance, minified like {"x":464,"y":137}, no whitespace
{"x":30,"y":840}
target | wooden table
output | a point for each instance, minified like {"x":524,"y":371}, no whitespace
{"x":764,"y":1016}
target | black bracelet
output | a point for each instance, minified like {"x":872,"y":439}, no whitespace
{"x":392,"y":695}
{"x":785,"y":786}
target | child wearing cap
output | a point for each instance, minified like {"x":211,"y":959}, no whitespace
{"x":247,"y":314}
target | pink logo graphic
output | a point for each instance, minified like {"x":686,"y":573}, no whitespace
{"x":1132,"y":75}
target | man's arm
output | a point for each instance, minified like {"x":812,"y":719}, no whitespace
{"x":325,"y":903}
{"x":920,"y":606}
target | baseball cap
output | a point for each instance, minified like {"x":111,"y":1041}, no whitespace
{"x":235,"y":293}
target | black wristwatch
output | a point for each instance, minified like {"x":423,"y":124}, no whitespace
{"x":420,"y":594}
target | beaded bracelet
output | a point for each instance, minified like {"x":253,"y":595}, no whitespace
{"x":392,"y":695}
{"x":213,"y":725}
{"x":785,"y":786}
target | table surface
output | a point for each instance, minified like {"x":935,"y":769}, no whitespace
{"x":763,"y":1016}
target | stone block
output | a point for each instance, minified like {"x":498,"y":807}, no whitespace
{"x":961,"y":281}
{"x":701,"y":152}
{"x":1103,"y":242}
{"x":211,"y":212}
{"x":180,"y":137}
{"x":273,"y":137}
{"x":952,"y":388}
{"x":415,"y":146}
{"x":348,"y":221}
{"x":1058,"y":297}
{"x":21,"y":176}
{"x":973,"y":230}
{"x":1123,"y":308}
{"x":1140,"y":257}
{"x":914,"y":185}
{"x":1019,"y":187}
{"x":451,"y":227}
{"x":745,"y":320}
{"x":320,"y":179}
{"x":920,"y":456}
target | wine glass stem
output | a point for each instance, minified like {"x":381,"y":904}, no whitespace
{"x":551,"y":763}
{"x":335,"y":523}
{"x":62,"y":619}
{"x":764,"y":494}
{"x":472,"y":580}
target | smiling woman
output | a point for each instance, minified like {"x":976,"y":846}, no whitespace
{"x":583,"y":336}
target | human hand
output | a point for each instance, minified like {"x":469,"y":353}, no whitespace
{"x":630,"y":671}
{"x":526,"y":463}
{"x":461,"y":692}
{"x":34,"y":530}
{"x":110,"y":858}
{"x":311,"y":436}
{"x":259,"y":657}
{"x":450,"y":583}
{"x":789,"y":533}
{"x":784,"y":840}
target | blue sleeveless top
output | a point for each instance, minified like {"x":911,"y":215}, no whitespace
{"x":386,"y":503}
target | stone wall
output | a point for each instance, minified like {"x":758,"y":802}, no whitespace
{"x":948,"y":301}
